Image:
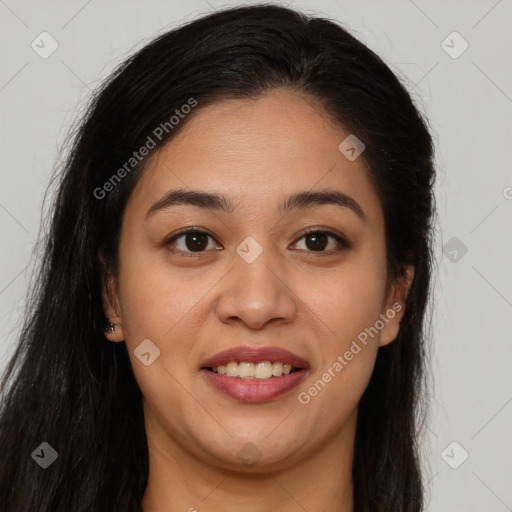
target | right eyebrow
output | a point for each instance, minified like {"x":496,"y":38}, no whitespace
{"x":207,"y":200}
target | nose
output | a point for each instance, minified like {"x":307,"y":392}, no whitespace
{"x":257,"y":293}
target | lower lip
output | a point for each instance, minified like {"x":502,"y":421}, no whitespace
{"x":246,"y":390}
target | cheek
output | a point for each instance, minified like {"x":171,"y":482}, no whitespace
{"x":345,"y":308}
{"x":154,"y":296}
{"x":347,"y":300}
{"x":159,"y":307}
{"x":167,"y":306}
{"x":348,"y":307}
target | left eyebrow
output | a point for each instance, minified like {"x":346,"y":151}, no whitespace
{"x":303,"y":200}
{"x":214,"y":201}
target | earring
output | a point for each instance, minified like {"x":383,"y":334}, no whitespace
{"x":110,"y":328}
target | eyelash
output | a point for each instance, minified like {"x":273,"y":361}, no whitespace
{"x":196,"y":231}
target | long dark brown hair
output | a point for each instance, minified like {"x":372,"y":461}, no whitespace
{"x":67,"y":386}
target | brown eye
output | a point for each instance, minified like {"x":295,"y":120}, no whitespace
{"x":189,"y":241}
{"x":318,"y":240}
{"x":196,"y":241}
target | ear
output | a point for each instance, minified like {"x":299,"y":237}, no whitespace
{"x":109,"y":295}
{"x":394,"y":306}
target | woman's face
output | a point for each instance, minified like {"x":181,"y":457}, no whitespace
{"x":254,"y":278}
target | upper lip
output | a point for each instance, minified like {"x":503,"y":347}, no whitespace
{"x":255,"y":355}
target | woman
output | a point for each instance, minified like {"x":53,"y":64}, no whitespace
{"x":230,"y":310}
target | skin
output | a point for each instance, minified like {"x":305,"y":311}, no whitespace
{"x":256,"y":152}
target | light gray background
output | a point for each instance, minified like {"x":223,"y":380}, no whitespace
{"x":469,"y":103}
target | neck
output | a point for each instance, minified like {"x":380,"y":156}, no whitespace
{"x":178,"y":481}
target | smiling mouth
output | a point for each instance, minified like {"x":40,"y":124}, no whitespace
{"x":254,"y":382}
{"x":264,"y":370}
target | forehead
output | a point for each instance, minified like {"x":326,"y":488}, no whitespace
{"x":257,"y":151}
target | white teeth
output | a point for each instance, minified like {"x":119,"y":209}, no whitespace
{"x":277,"y":369}
{"x":254,"y":371}
{"x":231,"y":369}
{"x":246,"y":370}
{"x":263,"y":370}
